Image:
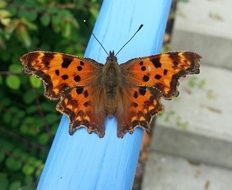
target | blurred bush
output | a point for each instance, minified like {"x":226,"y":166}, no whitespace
{"x":28,"y":121}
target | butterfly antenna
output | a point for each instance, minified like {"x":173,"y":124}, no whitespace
{"x":100,"y":43}
{"x":130,"y":39}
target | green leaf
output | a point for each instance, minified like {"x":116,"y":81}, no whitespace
{"x":35,"y":82}
{"x":4,"y":14}
{"x":3,"y":181}
{"x":15,"y":122}
{"x":67,"y":29}
{"x":8,"y":147}
{"x":5,"y":21}
{"x":6,"y":102}
{"x":15,"y":185}
{"x":51,"y":118}
{"x":30,"y":25}
{"x":13,"y":164}
{"x":94,"y":12}
{"x":202,"y":83}
{"x":13,"y":82}
{"x":30,"y":126}
{"x":43,"y":138}
{"x":192,"y":81}
{"x":10,"y":29}
{"x":56,"y":23}
{"x":23,"y":35}
{"x":29,"y":97}
{"x":45,"y":20}
{"x":39,"y":170}
{"x":28,"y":180}
{"x":2,"y":4}
{"x":48,"y":106}
{"x":26,"y":14}
{"x":21,"y":114}
{"x":28,"y":169}
{"x":31,"y":109}
{"x":15,"y":68}
{"x":2,"y":156}
{"x":7,"y":117}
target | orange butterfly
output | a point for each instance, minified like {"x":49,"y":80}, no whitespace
{"x":90,"y":91}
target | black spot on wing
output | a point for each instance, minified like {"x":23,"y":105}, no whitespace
{"x":79,"y":90}
{"x":165,"y":71}
{"x":64,"y":77}
{"x":77,"y":78}
{"x":175,"y":58}
{"x":146,"y":78}
{"x":46,"y":59}
{"x":142,"y":90}
{"x":134,"y":104}
{"x":79,"y":68}
{"x":143,"y":68}
{"x":57,"y":72}
{"x":157,"y":76}
{"x":86,"y":94}
{"x":87,"y":103}
{"x":156,"y":62}
{"x":66,"y":61}
{"x":136,"y":94}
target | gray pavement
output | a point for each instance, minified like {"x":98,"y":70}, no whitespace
{"x":197,"y":125}
{"x":167,"y":172}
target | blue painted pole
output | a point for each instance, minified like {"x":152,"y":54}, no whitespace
{"x":87,"y":162}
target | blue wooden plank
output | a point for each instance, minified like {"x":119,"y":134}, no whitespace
{"x":84,"y":161}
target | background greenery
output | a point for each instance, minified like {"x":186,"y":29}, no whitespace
{"x":28,"y":121}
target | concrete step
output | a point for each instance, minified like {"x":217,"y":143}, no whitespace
{"x":198,"y":123}
{"x":165,"y":172}
{"x":205,"y":26}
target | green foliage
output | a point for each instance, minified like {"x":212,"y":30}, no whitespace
{"x":28,"y":121}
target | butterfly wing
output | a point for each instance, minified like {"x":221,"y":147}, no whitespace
{"x":84,"y":106}
{"x":162,"y":71}
{"x":149,"y":79}
{"x":144,"y":103}
{"x":74,"y":81}
{"x":59,"y":71}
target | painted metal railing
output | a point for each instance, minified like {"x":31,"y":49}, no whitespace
{"x":87,"y":162}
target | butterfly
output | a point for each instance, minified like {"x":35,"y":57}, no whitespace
{"x":89,"y":91}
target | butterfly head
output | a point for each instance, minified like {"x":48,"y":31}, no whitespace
{"x":111,"y":57}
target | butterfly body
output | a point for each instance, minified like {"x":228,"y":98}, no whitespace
{"x":89,"y":91}
{"x":111,"y":77}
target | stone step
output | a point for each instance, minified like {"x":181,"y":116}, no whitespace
{"x":165,"y":172}
{"x":198,"y":123}
{"x":205,"y":27}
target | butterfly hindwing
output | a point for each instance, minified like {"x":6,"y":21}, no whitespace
{"x":79,"y":104}
{"x":144,"y":104}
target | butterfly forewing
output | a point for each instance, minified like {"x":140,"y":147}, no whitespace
{"x":60,"y":71}
{"x":162,"y":71}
